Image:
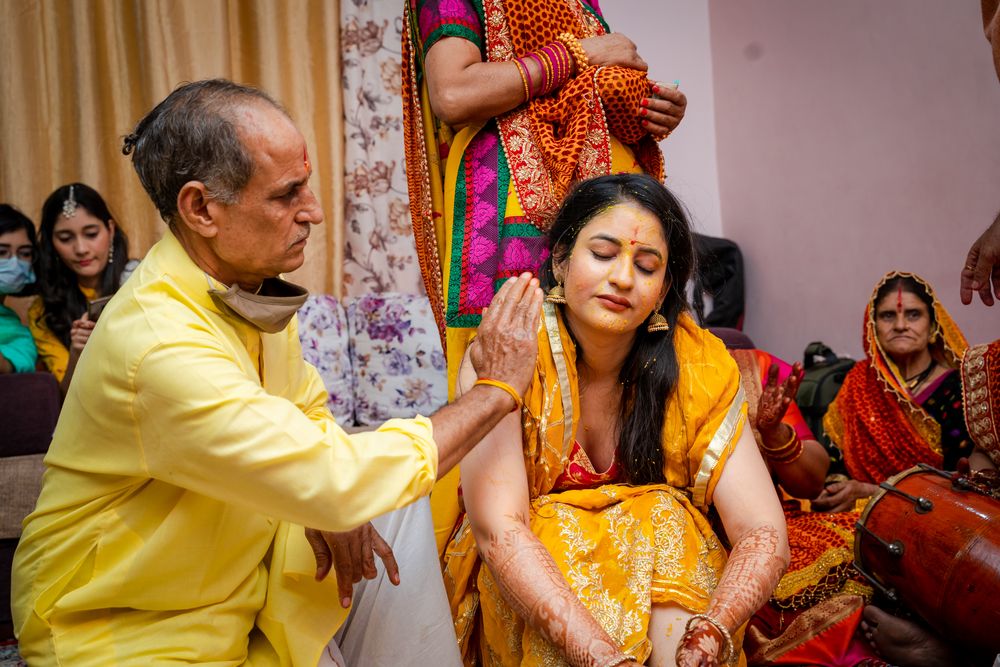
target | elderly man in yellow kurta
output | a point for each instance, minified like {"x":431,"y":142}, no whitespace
{"x":194,"y":442}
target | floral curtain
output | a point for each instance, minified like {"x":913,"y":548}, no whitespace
{"x":379,"y":253}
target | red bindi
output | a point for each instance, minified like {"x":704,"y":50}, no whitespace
{"x":305,"y":158}
{"x":899,"y":299}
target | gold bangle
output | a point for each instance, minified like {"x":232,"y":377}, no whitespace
{"x":727,"y":639}
{"x":784,"y":447}
{"x":501,"y":385}
{"x":786,"y":455}
{"x":524,"y":79}
{"x":575,"y":50}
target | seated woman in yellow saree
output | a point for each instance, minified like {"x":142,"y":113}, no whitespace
{"x":505,"y":105}
{"x":589,"y":506}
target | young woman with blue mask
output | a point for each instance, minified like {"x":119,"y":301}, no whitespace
{"x":17,"y":250}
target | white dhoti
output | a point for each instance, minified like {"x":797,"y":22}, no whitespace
{"x":409,"y":624}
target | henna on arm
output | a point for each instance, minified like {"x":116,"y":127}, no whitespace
{"x":530,"y":581}
{"x":748,"y":506}
{"x":749,"y":579}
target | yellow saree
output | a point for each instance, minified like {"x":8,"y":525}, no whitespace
{"x":621,"y":548}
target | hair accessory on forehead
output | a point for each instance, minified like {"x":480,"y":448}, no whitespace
{"x":69,"y":206}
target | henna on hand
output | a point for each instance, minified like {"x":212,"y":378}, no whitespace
{"x":701,"y":646}
{"x":749,"y":578}
{"x":775,"y":397}
{"x":530,"y":581}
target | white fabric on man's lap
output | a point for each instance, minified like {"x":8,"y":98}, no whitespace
{"x":409,"y":624}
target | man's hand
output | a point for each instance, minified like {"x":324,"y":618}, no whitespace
{"x":351,"y":556}
{"x":982,"y":267}
{"x":506,"y":345}
{"x":840,"y":496}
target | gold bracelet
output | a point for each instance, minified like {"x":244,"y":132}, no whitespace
{"x":501,"y":385}
{"x":575,"y":50}
{"x":524,"y":78}
{"x":785,"y":447}
{"x":727,"y":639}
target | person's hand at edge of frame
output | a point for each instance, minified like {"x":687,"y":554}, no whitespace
{"x":982,"y":267}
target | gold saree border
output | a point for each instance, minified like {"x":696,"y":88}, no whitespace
{"x":559,"y":358}
{"x":723,"y":440}
{"x":980,"y":413}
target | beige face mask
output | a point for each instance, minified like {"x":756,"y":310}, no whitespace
{"x":270,"y":309}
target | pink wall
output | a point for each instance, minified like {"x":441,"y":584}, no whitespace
{"x":853,"y":137}
{"x":673,"y":37}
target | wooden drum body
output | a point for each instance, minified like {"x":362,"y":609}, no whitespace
{"x":934,"y":546}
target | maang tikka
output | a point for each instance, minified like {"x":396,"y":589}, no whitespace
{"x":69,"y":206}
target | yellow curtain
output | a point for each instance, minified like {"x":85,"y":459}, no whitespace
{"x":78,"y":74}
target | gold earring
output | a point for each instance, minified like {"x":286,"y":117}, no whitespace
{"x":556,"y":294}
{"x":657,"y":323}
{"x":935,"y":334}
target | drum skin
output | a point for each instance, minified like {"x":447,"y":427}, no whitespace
{"x":949,"y":569}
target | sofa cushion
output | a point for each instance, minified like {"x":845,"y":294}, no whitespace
{"x":399,"y":369}
{"x":323,"y":334}
{"x":29,"y":409}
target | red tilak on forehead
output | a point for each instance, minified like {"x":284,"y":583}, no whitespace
{"x":305,"y":158}
{"x":899,"y":299}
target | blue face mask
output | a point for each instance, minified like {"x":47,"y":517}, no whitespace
{"x":14,"y":275}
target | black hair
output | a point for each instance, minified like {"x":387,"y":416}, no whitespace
{"x":58,"y":283}
{"x":12,"y":220}
{"x":193,"y":135}
{"x":908,"y":284}
{"x":650,"y":372}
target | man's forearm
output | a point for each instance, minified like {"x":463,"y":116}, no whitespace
{"x":459,"y":426}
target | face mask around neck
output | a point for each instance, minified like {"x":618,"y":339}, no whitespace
{"x":14,"y":275}
{"x":270,"y":309}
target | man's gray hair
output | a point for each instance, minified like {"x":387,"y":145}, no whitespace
{"x":192,"y":135}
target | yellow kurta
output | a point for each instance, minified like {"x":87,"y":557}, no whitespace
{"x":172,"y":469}
{"x":621,"y":548}
{"x":51,"y":350}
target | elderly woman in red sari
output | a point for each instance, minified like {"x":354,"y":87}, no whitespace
{"x":587,"y":540}
{"x":505,"y":105}
{"x":901,"y":405}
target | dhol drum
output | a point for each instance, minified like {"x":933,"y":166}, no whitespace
{"x":933,"y":545}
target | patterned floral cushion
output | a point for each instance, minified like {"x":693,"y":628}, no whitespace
{"x":399,"y":369}
{"x":325,"y":343}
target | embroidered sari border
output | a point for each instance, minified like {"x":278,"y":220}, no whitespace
{"x":980,"y":414}
{"x":723,"y":440}
{"x":559,"y":357}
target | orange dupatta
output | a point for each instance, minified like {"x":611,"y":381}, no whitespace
{"x":874,"y":421}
